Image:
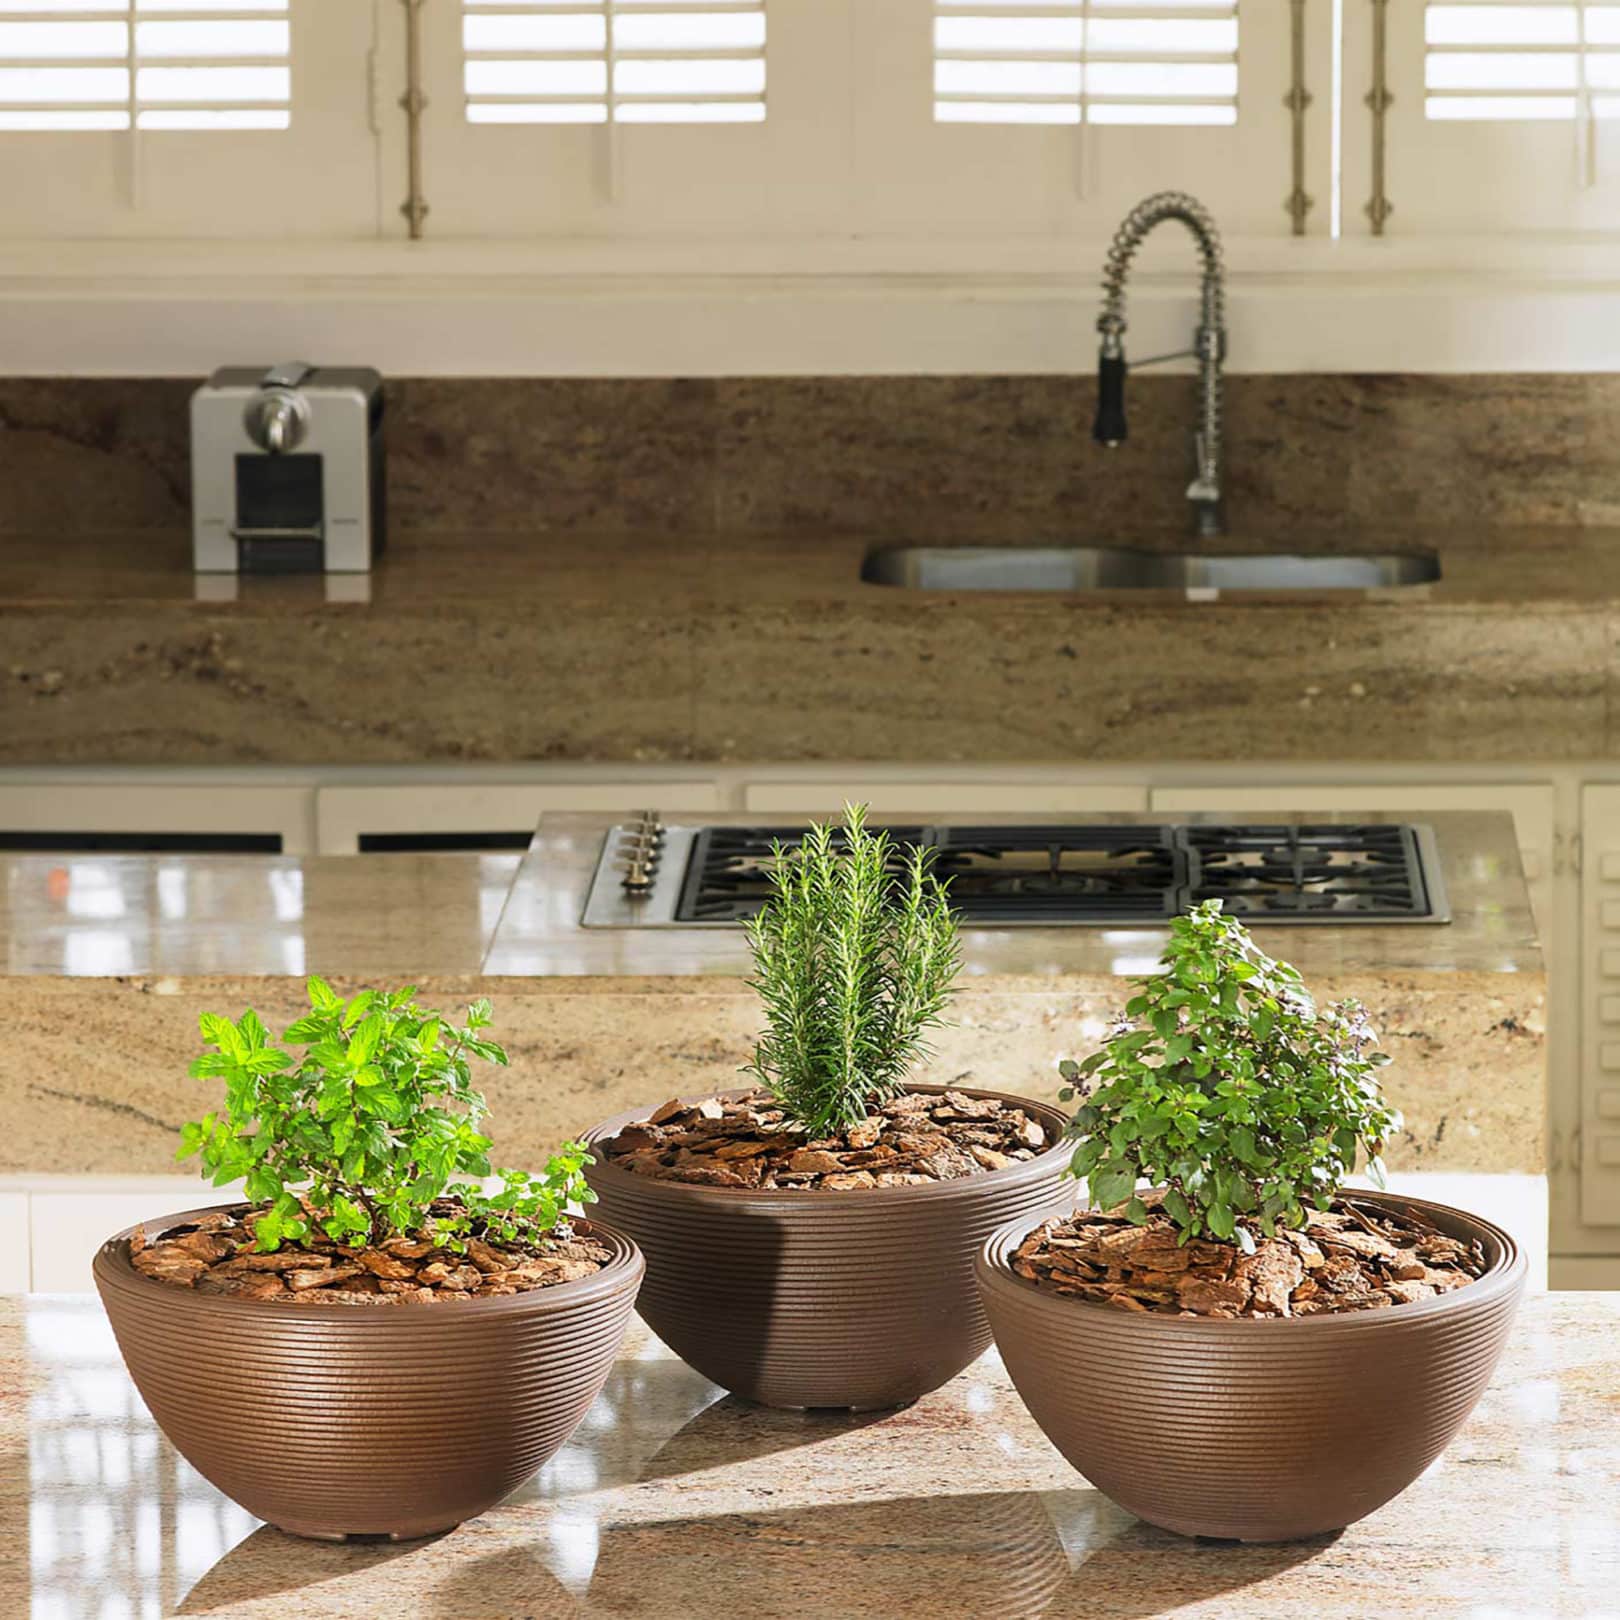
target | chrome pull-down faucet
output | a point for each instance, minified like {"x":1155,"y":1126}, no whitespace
{"x":1209,"y":344}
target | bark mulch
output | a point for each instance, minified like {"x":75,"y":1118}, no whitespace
{"x":750,"y":1142}
{"x":1352,"y":1257}
{"x":215,"y":1255}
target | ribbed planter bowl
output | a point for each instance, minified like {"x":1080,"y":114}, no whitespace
{"x":798,"y":1298}
{"x":1254,"y":1430}
{"x":343,"y":1420}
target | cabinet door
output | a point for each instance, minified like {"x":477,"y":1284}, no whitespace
{"x":344,"y":816}
{"x":1532,"y":805}
{"x":828,"y":795}
{"x":1600,"y":997}
{"x":177,"y":807}
{"x":14,"y":1267}
{"x":68,"y":1224}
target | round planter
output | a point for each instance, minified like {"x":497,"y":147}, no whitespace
{"x":1254,"y":1430}
{"x":797,"y":1298}
{"x":400,"y":1421}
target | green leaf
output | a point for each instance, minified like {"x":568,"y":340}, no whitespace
{"x":1112,"y":1184}
{"x":363,"y":1043}
{"x":262,"y":1183}
{"x":1218,"y":1218}
{"x":224,"y":1034}
{"x":321,"y":995}
{"x":356,"y":1009}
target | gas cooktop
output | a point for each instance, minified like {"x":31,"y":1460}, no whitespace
{"x":651,"y":875}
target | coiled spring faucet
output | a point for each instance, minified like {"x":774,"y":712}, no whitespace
{"x":1209,"y":344}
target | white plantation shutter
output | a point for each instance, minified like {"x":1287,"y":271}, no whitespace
{"x":1093,"y":61}
{"x":146,"y":64}
{"x":1505,"y":117}
{"x":591,"y":119}
{"x":1534,"y":59}
{"x":173,"y":118}
{"x":1050,"y":118}
{"x":614,"y":61}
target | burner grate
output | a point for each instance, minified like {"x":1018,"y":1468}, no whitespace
{"x":1052,"y":874}
{"x":1123,"y":875}
{"x":1371,"y":872}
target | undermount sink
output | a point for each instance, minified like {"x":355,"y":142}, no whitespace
{"x":1105,"y":568}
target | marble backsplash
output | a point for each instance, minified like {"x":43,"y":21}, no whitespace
{"x":954,"y":458}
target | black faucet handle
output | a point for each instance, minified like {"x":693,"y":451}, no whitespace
{"x":1109,"y":428}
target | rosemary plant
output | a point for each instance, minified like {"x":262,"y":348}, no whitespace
{"x":854,"y":956}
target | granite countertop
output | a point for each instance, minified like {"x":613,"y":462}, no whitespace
{"x":596,"y":645}
{"x":673,"y":1500}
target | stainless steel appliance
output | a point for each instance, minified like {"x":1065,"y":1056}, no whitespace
{"x":287,"y":470}
{"x":653,"y":875}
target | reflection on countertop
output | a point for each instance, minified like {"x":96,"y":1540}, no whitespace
{"x":434,"y":916}
{"x":674,"y":1500}
{"x":252,"y":916}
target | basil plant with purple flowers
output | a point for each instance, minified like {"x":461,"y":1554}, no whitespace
{"x":1229,"y":1090}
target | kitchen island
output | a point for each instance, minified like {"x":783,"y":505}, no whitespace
{"x":111,"y":959}
{"x":674,"y":1500}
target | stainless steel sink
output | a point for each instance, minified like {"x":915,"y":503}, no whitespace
{"x":1103,"y":568}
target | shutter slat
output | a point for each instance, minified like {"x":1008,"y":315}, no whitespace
{"x":659,"y":60}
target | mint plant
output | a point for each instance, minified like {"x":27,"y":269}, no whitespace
{"x":855,"y":952}
{"x":366,"y":1131}
{"x":1226,"y":1086}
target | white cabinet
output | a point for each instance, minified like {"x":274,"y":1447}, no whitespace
{"x":179,"y":804}
{"x":51,"y":1226}
{"x":346,"y":815}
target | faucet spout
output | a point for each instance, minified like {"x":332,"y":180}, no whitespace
{"x":1209,"y":344}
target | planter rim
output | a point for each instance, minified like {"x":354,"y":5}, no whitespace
{"x":851,"y":1197}
{"x":113,"y":1261}
{"x":1503,"y":1276}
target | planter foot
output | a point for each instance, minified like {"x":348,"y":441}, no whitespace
{"x":850,"y":1411}
{"x":360,"y":1538}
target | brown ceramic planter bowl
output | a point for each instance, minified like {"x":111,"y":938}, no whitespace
{"x":1254,"y":1430}
{"x":795,"y":1298}
{"x":333,"y":1421}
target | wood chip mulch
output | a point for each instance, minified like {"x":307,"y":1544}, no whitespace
{"x":1352,"y":1257}
{"x":918,"y":1138}
{"x":216,"y":1255}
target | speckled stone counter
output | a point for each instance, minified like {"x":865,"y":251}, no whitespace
{"x":675,"y":1502}
{"x":112,"y":958}
{"x":608,"y":646}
